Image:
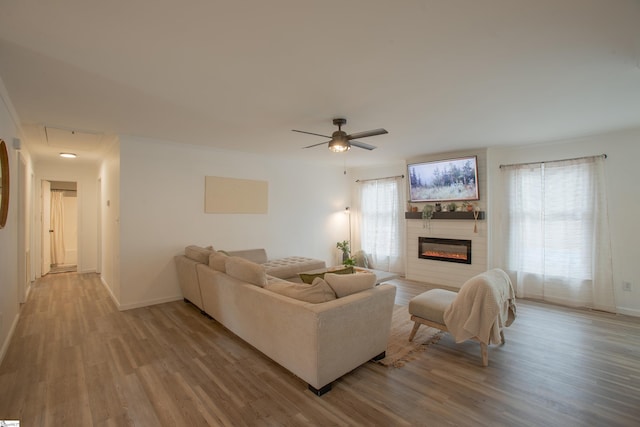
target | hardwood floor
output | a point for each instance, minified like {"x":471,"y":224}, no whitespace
{"x":75,"y":360}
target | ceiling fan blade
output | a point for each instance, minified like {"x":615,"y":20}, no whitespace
{"x":315,"y":145}
{"x":362,"y":145}
{"x":367,"y":133}
{"x":310,"y":133}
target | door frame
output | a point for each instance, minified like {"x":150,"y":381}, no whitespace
{"x":45,"y":227}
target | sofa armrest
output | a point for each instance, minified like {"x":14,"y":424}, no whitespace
{"x":353,"y":330}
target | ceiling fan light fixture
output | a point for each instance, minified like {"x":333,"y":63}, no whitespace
{"x":339,"y":142}
{"x":68,"y":155}
{"x":339,"y":145}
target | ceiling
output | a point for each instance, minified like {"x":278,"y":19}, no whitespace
{"x":239,"y":75}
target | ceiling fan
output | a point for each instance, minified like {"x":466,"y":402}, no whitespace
{"x":340,"y":141}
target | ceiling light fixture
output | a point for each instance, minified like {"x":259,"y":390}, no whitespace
{"x":339,"y":143}
{"x":68,"y":155}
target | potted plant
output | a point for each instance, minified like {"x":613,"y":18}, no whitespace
{"x":349,"y":261}
{"x":346,"y":251}
{"x":468,"y":206}
{"x":427,"y":214}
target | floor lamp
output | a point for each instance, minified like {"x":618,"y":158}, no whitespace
{"x":348,"y":212}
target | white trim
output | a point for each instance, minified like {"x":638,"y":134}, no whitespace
{"x":150,"y":302}
{"x":5,"y":345}
{"x":123,"y":307}
{"x":628,"y":311}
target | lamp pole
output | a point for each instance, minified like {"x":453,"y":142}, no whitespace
{"x":349,"y":217}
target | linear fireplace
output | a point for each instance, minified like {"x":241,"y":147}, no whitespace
{"x":450,"y":250}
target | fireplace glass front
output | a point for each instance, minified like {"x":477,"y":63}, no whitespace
{"x":449,"y":250}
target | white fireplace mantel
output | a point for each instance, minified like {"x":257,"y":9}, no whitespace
{"x":442,"y":272}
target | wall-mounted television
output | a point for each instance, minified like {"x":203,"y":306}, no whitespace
{"x":444,"y":180}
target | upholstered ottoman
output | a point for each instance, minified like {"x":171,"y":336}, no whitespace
{"x":430,"y":306}
{"x":483,"y":307}
{"x":284,"y":268}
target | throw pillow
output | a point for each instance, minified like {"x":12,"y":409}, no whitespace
{"x":309,"y":277}
{"x":198,"y":253}
{"x":217,"y":261}
{"x":317,"y":292}
{"x":246,"y":271}
{"x":344,"y":285}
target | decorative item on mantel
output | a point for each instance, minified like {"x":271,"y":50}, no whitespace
{"x":476,"y":212}
{"x":427,"y":214}
{"x":468,"y":206}
{"x":446,"y":215}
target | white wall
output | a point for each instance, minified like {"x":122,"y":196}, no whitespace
{"x":162,"y":211}
{"x":85,"y":175}
{"x":26,"y":273}
{"x":623,"y":151}
{"x":109,"y":220}
{"x":9,"y":306}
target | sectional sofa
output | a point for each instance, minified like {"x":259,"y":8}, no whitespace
{"x":306,"y":328}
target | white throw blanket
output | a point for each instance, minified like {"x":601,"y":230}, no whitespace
{"x":484,"y":305}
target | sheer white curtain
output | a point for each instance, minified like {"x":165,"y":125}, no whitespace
{"x":557,"y":241}
{"x":57,"y":225}
{"x":379,"y":223}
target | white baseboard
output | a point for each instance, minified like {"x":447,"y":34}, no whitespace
{"x":628,"y":311}
{"x":124,"y":307}
{"x":5,"y":344}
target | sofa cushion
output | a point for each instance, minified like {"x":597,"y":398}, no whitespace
{"x":347,"y":284}
{"x":309,"y":277}
{"x":245,"y":270}
{"x":217,"y":261}
{"x":317,"y":292}
{"x":198,"y":253}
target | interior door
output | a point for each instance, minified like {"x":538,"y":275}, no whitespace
{"x":45,"y":247}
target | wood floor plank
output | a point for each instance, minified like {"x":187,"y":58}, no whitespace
{"x":76,"y":360}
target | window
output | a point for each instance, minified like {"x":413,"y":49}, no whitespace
{"x":558,"y":240}
{"x":381,"y":235}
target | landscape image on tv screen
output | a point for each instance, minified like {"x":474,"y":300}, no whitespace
{"x":444,"y":180}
